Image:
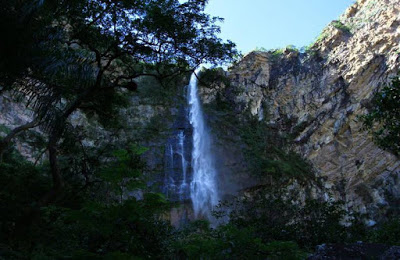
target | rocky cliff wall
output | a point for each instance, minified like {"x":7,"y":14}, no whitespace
{"x":317,"y":96}
{"x":150,"y":119}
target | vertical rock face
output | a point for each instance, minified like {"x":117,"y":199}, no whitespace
{"x":322,"y":92}
{"x":316,"y":96}
{"x":177,"y":158}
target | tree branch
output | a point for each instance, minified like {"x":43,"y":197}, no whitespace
{"x":16,"y":131}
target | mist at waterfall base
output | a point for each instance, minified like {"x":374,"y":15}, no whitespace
{"x":190,"y":173}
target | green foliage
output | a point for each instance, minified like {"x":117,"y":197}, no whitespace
{"x":22,"y":184}
{"x":267,"y":153}
{"x":130,"y":227}
{"x":322,"y":36}
{"x":261,"y":49}
{"x":285,"y":250}
{"x":4,"y":129}
{"x":105,"y":106}
{"x":122,"y":174}
{"x":291,"y":48}
{"x":94,"y":223}
{"x":21,"y":22}
{"x":73,"y":60}
{"x":273,"y":217}
{"x":339,"y":25}
{"x":155,"y":127}
{"x":310,"y":50}
{"x":133,"y":23}
{"x":230,"y":242}
{"x":63,"y":56}
{"x":387,"y":233}
{"x":213,"y":76}
{"x":276,"y":54}
{"x":316,"y":222}
{"x":151,"y":91}
{"x":383,"y":119}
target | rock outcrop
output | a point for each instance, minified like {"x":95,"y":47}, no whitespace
{"x":315,"y":95}
{"x":318,"y":95}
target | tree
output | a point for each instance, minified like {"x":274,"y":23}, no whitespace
{"x":83,"y":52}
{"x":63,"y":56}
{"x":383,"y":119}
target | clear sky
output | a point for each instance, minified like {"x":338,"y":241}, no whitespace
{"x":274,"y":23}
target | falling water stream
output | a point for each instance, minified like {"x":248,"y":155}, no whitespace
{"x":181,"y":152}
{"x":189,"y":161}
{"x":203,"y":187}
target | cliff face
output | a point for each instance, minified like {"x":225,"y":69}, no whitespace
{"x":315,"y":96}
{"x":149,"y":120}
{"x":318,"y":95}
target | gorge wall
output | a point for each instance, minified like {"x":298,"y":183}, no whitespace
{"x":317,"y":95}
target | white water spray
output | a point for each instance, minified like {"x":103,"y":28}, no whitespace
{"x":203,"y":188}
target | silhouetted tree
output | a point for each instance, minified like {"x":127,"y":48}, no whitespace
{"x":78,"y":53}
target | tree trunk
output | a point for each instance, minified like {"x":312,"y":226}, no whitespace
{"x":55,"y":170}
{"x":58,"y":183}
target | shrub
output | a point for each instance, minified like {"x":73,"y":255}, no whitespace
{"x":383,"y":119}
{"x":387,"y":233}
{"x":231,"y":242}
{"x":340,"y":26}
{"x":268,"y":154}
{"x":276,"y":215}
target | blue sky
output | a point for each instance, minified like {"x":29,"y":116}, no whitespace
{"x":274,"y":23}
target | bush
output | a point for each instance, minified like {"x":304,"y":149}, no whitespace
{"x":387,"y":233}
{"x":340,"y":26}
{"x":231,"y":242}
{"x":268,"y":154}
{"x":272,"y":216}
{"x":383,"y":119}
{"x":93,"y":220}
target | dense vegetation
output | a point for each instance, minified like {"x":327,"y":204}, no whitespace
{"x":383,"y":118}
{"x":80,"y":199}
{"x":87,"y":56}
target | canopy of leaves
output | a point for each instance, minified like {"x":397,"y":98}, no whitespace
{"x":383,"y":119}
{"x":91,"y":222}
{"x":82,"y":51}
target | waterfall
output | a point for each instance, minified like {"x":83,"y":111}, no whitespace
{"x":181,"y":152}
{"x":189,"y":163}
{"x":176,"y":183}
{"x":169,"y":182}
{"x":203,"y":187}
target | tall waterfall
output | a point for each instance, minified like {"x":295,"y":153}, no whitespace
{"x":203,"y":187}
